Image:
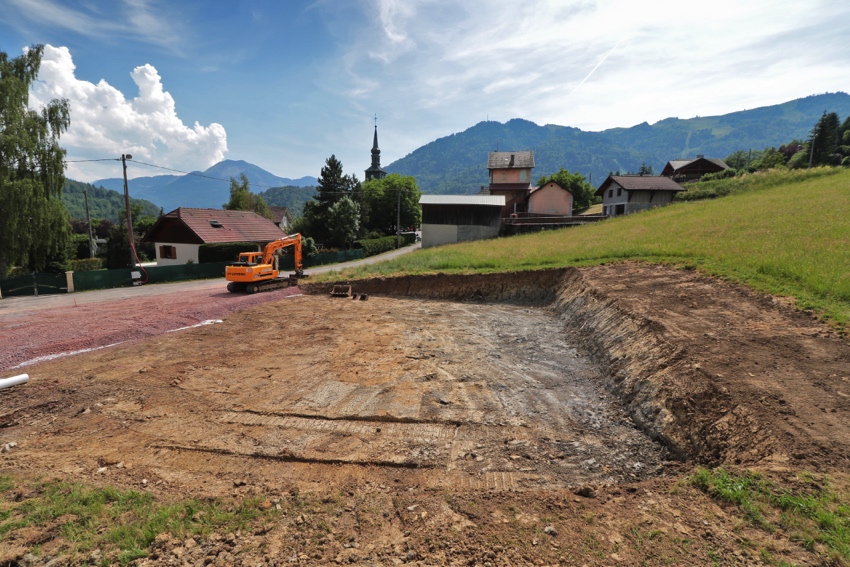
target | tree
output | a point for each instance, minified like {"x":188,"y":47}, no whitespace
{"x":382,"y":201}
{"x":583,"y":192}
{"x":824,"y":136}
{"x":332,"y":186}
{"x":645,"y":169}
{"x":344,"y":221}
{"x":242,"y":199}
{"x":34,"y":225}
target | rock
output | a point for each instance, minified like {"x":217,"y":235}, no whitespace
{"x":585,"y":492}
{"x":550,"y":530}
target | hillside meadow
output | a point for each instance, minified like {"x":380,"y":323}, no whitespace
{"x":786,"y":233}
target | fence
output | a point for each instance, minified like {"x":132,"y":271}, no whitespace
{"x":34,"y":284}
{"x":38,"y":283}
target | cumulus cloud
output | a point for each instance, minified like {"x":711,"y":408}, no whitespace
{"x":105,"y":124}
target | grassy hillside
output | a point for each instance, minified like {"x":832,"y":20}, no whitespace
{"x":778,"y":232}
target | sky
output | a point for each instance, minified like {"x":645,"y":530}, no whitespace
{"x":284,"y":84}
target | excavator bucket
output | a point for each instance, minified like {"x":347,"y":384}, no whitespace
{"x":341,"y":291}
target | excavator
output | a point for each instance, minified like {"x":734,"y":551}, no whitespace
{"x":258,"y":271}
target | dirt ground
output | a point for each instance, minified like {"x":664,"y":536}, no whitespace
{"x":505,"y":419}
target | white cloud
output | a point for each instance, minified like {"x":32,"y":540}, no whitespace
{"x":105,"y":124}
{"x":431,"y":68}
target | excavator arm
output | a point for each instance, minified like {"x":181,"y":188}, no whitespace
{"x":275,"y":245}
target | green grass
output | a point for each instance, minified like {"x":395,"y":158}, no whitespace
{"x":124,"y":521}
{"x":784,"y":233}
{"x":812,"y":513}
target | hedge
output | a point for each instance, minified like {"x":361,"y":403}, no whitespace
{"x":223,"y":252}
{"x":374,"y":246}
{"x":86,"y":264}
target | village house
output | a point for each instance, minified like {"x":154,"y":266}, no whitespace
{"x":686,"y":170}
{"x":510,"y":176}
{"x":178,"y":235}
{"x":550,"y":199}
{"x":447,"y":219}
{"x":281,"y":217}
{"x":626,"y":194}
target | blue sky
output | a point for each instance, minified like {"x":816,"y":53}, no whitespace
{"x":285,"y":83}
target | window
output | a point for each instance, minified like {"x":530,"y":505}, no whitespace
{"x":619,"y":191}
{"x":610,"y":192}
{"x":168,"y":252}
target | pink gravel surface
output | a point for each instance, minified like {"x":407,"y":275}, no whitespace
{"x":28,"y":336}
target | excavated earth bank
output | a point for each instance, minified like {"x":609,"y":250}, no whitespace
{"x":507,"y":419}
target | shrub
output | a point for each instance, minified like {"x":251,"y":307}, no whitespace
{"x":846,"y":162}
{"x":223,"y":252}
{"x":87,"y":264}
{"x":725,"y":174}
{"x":373,"y":246}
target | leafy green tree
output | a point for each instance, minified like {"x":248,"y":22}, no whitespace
{"x":344,"y":221}
{"x":382,"y":199}
{"x":575,"y":183}
{"x":34,"y":225}
{"x":242,"y":199}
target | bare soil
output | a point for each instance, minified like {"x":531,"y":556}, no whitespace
{"x":541,"y":418}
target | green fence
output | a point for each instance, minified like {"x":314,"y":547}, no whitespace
{"x":103,"y":279}
{"x":34,"y":284}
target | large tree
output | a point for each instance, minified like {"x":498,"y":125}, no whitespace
{"x":382,"y":199}
{"x":332,"y":186}
{"x":34,"y":225}
{"x":242,"y":199}
{"x":824,"y":136}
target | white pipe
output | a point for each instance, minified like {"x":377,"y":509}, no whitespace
{"x":13,"y":381}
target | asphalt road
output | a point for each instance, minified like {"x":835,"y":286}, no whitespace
{"x":21,"y":304}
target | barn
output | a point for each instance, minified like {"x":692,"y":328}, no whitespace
{"x":447,"y":219}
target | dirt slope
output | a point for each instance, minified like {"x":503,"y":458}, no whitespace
{"x":546,"y":422}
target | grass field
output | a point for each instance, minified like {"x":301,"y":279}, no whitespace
{"x":784,"y":233}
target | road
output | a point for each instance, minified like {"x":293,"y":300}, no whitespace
{"x":13,"y":305}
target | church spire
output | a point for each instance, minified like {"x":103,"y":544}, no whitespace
{"x":375,"y":171}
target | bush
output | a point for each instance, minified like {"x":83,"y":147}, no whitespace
{"x":374,"y":246}
{"x":223,"y":252}
{"x":725,"y":174}
{"x":86,"y":264}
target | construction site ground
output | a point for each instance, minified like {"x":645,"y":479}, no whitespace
{"x":546,"y":418}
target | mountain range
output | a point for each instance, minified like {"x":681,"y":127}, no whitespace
{"x":202,"y":189}
{"x":457,"y":164}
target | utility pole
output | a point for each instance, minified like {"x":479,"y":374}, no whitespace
{"x":88,"y":218}
{"x":124,"y":159}
{"x":398,"y":221}
{"x":812,"y":152}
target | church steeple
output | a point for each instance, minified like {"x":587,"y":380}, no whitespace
{"x":375,"y":171}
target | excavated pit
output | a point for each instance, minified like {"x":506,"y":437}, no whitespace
{"x":523,"y":381}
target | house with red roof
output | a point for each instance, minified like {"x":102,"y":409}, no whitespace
{"x":178,"y":235}
{"x":626,"y":194}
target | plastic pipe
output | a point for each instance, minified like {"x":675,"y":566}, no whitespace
{"x":14,"y":381}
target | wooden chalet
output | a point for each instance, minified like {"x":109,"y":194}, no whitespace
{"x":685,"y":170}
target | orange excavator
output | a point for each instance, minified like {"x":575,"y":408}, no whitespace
{"x":258,"y":271}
